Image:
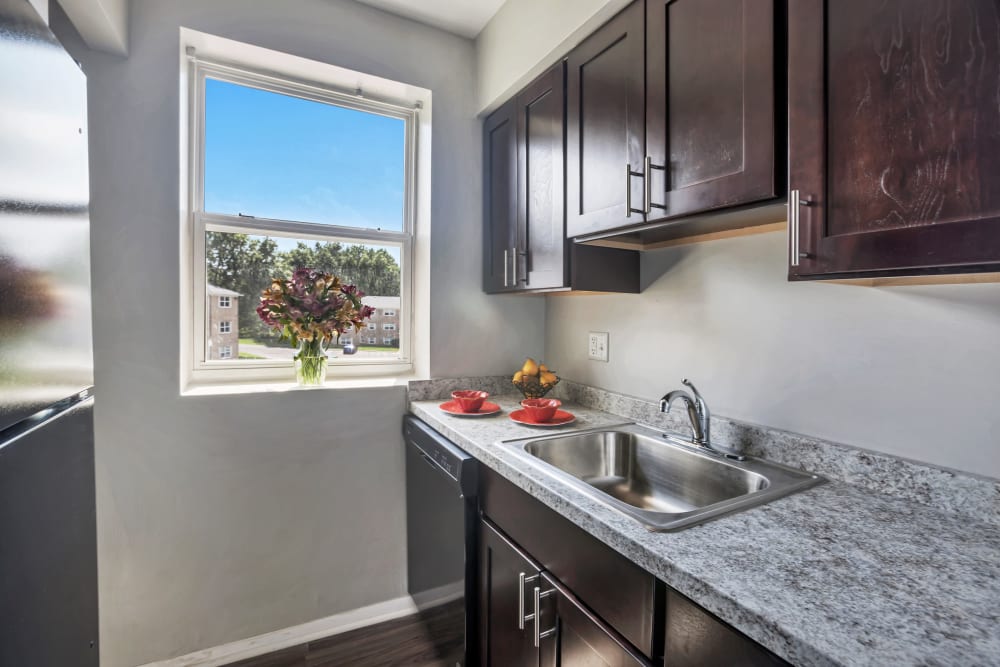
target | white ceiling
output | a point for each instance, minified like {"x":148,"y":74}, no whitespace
{"x":462,"y":17}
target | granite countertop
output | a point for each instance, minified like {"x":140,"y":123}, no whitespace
{"x":834,"y":575}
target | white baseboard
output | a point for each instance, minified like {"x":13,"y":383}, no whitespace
{"x":313,"y":630}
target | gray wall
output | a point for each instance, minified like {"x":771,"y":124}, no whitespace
{"x":912,"y":371}
{"x":222,"y":517}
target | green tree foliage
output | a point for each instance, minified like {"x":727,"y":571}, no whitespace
{"x":373,"y":270}
{"x":246,"y":264}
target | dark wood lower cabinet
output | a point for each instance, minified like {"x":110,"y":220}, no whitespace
{"x":695,"y":638}
{"x":570,"y":635}
{"x":505,"y":571}
{"x":595,"y":607}
{"x":528,"y":618}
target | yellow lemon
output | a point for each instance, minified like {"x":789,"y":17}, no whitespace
{"x":530,"y":367}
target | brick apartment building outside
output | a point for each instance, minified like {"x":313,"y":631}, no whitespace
{"x":223,"y":323}
{"x":383,"y":328}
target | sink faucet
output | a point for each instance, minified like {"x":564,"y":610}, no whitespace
{"x":698,"y":413}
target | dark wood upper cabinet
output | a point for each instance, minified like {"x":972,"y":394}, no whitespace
{"x":894,"y":137}
{"x":500,"y":198}
{"x":672,"y":114}
{"x":524,"y":237}
{"x":710,"y":104}
{"x":605,"y":122}
{"x":541,"y":112}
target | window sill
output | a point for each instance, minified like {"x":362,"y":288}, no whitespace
{"x":231,"y":388}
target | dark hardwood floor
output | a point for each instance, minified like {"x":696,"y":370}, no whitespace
{"x":431,"y":638}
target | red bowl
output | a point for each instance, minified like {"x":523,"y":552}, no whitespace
{"x":541,"y":409}
{"x":469,"y":400}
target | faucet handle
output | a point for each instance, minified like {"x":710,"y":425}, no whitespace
{"x":702,"y":405}
{"x":690,"y":385}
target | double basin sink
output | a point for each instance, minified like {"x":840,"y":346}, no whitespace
{"x":658,"y":479}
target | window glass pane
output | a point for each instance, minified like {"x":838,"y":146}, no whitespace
{"x":276,"y":156}
{"x":239,"y":266}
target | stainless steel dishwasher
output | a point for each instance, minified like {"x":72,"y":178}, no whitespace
{"x":441,"y":517}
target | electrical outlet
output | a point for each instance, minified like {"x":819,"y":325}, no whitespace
{"x":597,"y":345}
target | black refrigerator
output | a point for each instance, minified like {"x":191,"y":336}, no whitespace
{"x":48,"y":551}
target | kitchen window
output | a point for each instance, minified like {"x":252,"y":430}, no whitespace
{"x":287,"y":173}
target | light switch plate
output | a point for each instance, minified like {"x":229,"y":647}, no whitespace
{"x":597,"y":345}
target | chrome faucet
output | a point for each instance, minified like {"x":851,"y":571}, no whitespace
{"x":700,"y":416}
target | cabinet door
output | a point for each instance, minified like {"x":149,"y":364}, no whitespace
{"x":500,"y":198}
{"x":507,"y":577}
{"x":541,"y":110}
{"x":710,"y":104}
{"x":694,"y":638}
{"x":894,"y":137}
{"x":569,"y":635}
{"x":605,"y":92}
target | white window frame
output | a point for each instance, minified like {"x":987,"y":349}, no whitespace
{"x":388,"y":313}
{"x":205,"y":369}
{"x":388,"y":326}
{"x":226,"y":326}
{"x":372,"y":326}
{"x":225,"y":301}
{"x":387,"y":341}
{"x":225,"y":352}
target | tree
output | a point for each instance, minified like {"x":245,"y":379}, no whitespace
{"x":373,"y":270}
{"x":247,"y":264}
{"x":244,"y":264}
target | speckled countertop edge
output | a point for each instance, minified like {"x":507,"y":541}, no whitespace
{"x":836,"y":575}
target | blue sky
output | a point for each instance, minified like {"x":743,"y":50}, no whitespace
{"x":277,"y":156}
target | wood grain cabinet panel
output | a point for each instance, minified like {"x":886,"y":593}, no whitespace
{"x":895,"y":159}
{"x":500,"y":198}
{"x":710,"y":104}
{"x":606,"y":126}
{"x":541,"y":112}
{"x":570,"y":635}
{"x":524,"y":235}
{"x":505,"y":638}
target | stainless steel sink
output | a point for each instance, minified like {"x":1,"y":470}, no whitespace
{"x":658,"y":479}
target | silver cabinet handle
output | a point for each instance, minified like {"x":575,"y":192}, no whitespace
{"x":628,"y":190}
{"x":647,"y":187}
{"x":795,"y":202}
{"x":539,"y":635}
{"x":522,"y":579}
{"x":793,"y":227}
{"x":513,"y":256}
{"x":506,"y":263}
{"x":648,"y":204}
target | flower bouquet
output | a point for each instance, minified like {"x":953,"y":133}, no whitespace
{"x":311,"y":309}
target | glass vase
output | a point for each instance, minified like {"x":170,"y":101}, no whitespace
{"x":310,"y":363}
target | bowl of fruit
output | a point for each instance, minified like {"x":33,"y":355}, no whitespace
{"x":534,"y":380}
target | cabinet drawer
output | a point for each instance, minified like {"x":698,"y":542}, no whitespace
{"x":624,"y":595}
